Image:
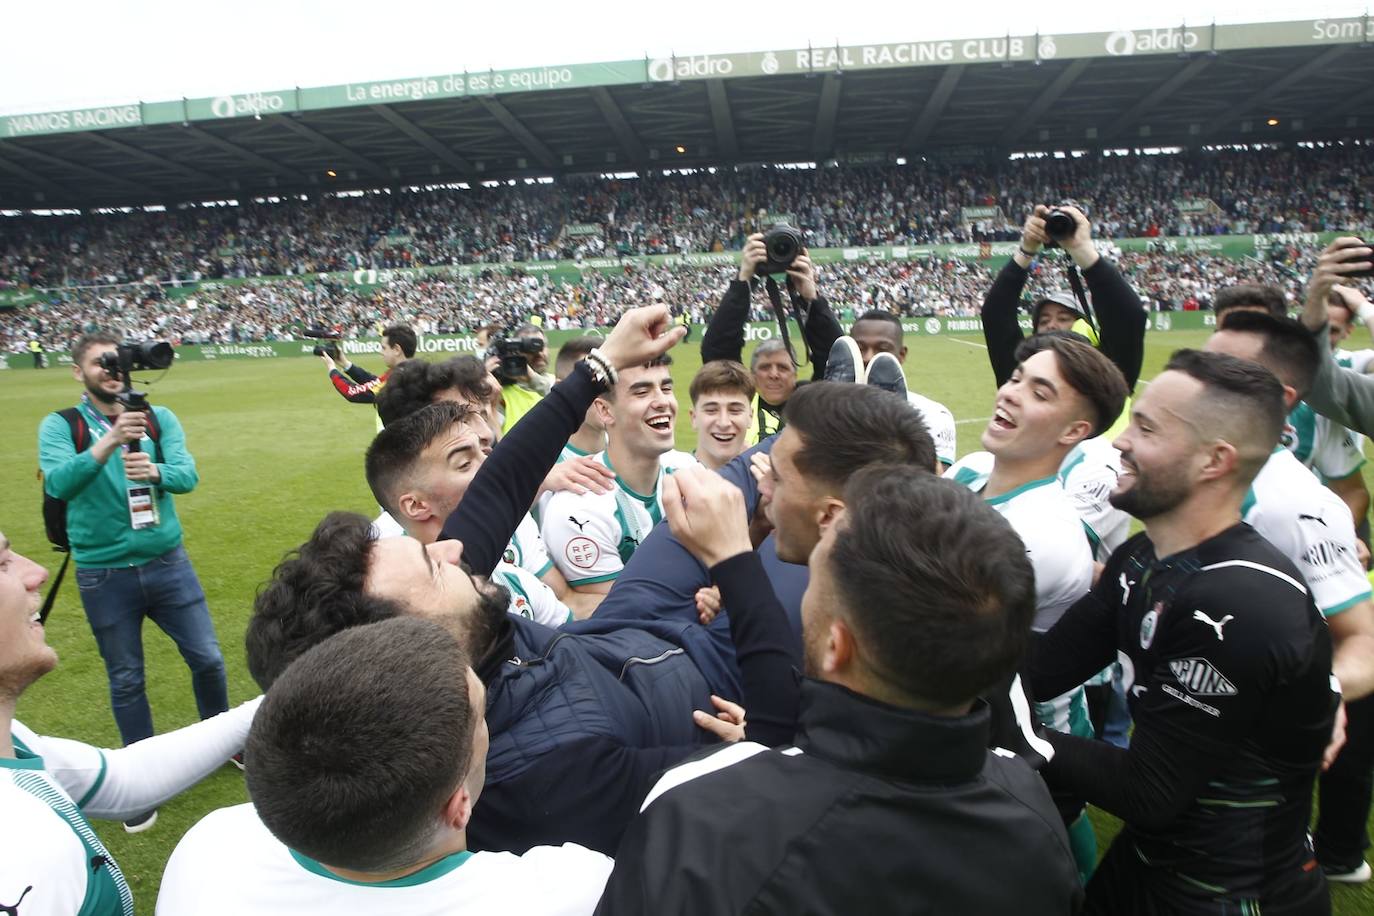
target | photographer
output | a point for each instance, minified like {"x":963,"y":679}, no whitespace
{"x":356,"y":384}
{"x":521,"y":364}
{"x":775,"y":373}
{"x":130,"y":563}
{"x":1119,"y":311}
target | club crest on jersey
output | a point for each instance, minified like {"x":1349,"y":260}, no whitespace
{"x":1149,"y":624}
{"x":508,"y":556}
{"x":1200,"y":678}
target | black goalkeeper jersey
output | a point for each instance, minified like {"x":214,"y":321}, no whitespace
{"x":1227,"y":670}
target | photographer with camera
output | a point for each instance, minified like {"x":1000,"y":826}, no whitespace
{"x":780,"y":251}
{"x":520,"y":362}
{"x":116,"y":462}
{"x":354,"y":383}
{"x":1120,"y":315}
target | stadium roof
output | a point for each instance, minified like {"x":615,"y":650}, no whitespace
{"x":1187,"y":86}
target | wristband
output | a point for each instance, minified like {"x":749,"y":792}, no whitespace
{"x":601,"y":367}
{"x":1029,"y":254}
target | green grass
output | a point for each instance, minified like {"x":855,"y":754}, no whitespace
{"x":276,"y":449}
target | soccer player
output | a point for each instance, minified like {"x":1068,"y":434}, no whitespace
{"x":1227,"y":665}
{"x":420,"y":466}
{"x":721,"y":393}
{"x":877,"y":332}
{"x":592,"y":535}
{"x":889,"y":800}
{"x":362,"y":786}
{"x":51,"y":861}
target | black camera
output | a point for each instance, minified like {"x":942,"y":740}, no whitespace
{"x":1059,"y":225}
{"x":783,"y":244}
{"x":330,"y":347}
{"x":136,"y":357}
{"x":514,"y":353}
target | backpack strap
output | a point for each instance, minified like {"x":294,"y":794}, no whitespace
{"x":155,"y":434}
{"x":81,"y":433}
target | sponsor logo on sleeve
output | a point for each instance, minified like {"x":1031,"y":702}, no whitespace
{"x":1200,"y":678}
{"x":1214,"y":624}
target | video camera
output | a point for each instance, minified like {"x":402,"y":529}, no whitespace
{"x":136,"y":357}
{"x":514,"y":353}
{"x":330,"y":347}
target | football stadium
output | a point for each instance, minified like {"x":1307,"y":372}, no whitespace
{"x":330,"y":266}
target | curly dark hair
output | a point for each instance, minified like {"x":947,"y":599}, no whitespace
{"x":315,"y":592}
{"x":413,"y":384}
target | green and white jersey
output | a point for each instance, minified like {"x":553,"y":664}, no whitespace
{"x":51,"y":861}
{"x":229,"y":864}
{"x":526,"y":549}
{"x":593,"y":535}
{"x":1312,"y":527}
{"x":530,"y":597}
{"x":1323,"y":445}
{"x":1088,"y":474}
{"x":1358,"y":360}
{"x":1045,"y":520}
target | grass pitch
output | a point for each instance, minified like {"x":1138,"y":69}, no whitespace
{"x":277,"y":448}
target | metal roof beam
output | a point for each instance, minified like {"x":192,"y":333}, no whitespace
{"x":47,"y":184}
{"x":722,"y":120}
{"x":1042,"y":103}
{"x":424,"y":138}
{"x":246,"y":155}
{"x":933,"y":108}
{"x":823,"y":139}
{"x":149,"y":195}
{"x":1316,"y":64}
{"x":129,"y":149}
{"x":1132,"y":115}
{"x":338,"y":149}
{"x":624,"y":134}
{"x":520,"y":132}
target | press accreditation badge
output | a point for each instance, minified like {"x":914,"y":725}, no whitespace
{"x":142,"y":507}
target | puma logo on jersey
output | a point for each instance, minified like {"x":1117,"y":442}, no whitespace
{"x":1312,"y":518}
{"x":581,"y":526}
{"x":1125,"y":590}
{"x":1199,"y":678}
{"x":13,"y":908}
{"x":1214,"y":624}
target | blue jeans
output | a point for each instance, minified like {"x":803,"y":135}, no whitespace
{"x":166,"y":591}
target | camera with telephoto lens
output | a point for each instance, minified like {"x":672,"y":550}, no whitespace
{"x":136,"y":356}
{"x":330,"y":347}
{"x":1059,"y":225}
{"x":783,"y":244}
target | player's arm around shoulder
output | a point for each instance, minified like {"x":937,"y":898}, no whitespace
{"x":178,"y":468}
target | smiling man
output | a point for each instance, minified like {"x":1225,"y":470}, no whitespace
{"x":591,"y":536}
{"x":721,"y":394}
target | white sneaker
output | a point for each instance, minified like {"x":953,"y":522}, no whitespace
{"x":141,"y":823}
{"x":1357,"y":875}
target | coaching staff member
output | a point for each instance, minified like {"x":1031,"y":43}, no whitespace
{"x":1226,"y":665}
{"x":920,"y":598}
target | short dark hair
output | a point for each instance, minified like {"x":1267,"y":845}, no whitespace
{"x":1094,"y":376}
{"x":403,"y":336}
{"x":656,"y":362}
{"x":392,"y":456}
{"x":413,"y":384}
{"x":721,"y":375}
{"x":573,"y":350}
{"x":1244,"y":397}
{"x":529,"y":329}
{"x":361,"y":742}
{"x":880,"y":315}
{"x":1289,"y":351}
{"x":1251,"y":295}
{"x":98,"y":336}
{"x":315,"y":592}
{"x":935,"y":583}
{"x":847,"y":427}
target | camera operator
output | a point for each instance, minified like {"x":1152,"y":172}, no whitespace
{"x":1342,"y":394}
{"x":521,"y":365}
{"x":1119,"y":310}
{"x":354,"y":383}
{"x":775,"y":374}
{"x":130,"y":563}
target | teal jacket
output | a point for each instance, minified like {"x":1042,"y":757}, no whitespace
{"x":98,"y":524}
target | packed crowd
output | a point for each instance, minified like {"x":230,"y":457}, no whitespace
{"x":437,"y":305}
{"x":922,"y":202}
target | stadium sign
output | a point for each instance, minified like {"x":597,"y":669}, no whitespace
{"x":57,"y":122}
